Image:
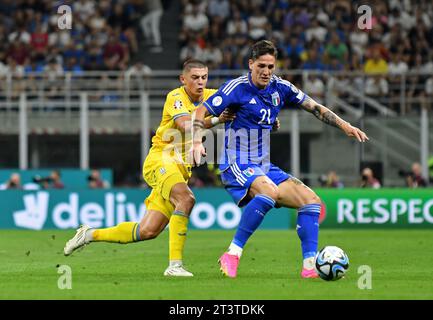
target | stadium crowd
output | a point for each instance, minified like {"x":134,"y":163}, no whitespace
{"x":320,"y":36}
{"x":102,"y":37}
{"x":315,"y":36}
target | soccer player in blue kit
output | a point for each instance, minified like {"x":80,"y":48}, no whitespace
{"x":247,"y":173}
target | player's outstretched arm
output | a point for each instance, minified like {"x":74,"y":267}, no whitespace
{"x":225,"y":116}
{"x":198,"y":150}
{"x":183,"y":123}
{"x":327,"y":116}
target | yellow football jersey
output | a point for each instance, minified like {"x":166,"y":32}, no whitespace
{"x":167,"y":137}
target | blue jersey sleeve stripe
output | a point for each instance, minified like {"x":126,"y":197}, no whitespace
{"x":300,"y":96}
{"x":234,"y":87}
{"x":233,"y":83}
{"x":229,"y":84}
{"x":209,"y":108}
{"x":180,"y":115}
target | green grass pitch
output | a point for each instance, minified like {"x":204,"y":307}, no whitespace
{"x":400,"y":260}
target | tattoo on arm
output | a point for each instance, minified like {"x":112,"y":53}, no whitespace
{"x":327,"y":116}
{"x":296,"y":181}
{"x":330,"y":118}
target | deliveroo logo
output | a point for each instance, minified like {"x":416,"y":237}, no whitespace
{"x":113,"y":208}
{"x":35,"y":211}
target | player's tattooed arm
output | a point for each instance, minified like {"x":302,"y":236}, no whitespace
{"x":323,"y":114}
{"x":327,"y":116}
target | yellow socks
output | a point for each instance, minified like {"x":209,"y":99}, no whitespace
{"x":177,"y":235}
{"x":125,"y":232}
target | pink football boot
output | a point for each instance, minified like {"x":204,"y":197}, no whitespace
{"x":309,"y":273}
{"x":229,"y":264}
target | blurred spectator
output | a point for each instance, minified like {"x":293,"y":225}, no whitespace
{"x":84,"y":8}
{"x":368,"y":180}
{"x":196,"y":22}
{"x":315,"y":88}
{"x":39,"y":43}
{"x":358,"y":40}
{"x":20,"y":35}
{"x":376,"y":64}
{"x":376,"y":86}
{"x":97,"y":21}
{"x":294,"y":49}
{"x":414,"y":179}
{"x":73,"y":66}
{"x":335,"y":65}
{"x":337,"y":49}
{"x":257,"y":24}
{"x":316,"y":32}
{"x":19,"y":52}
{"x":138,"y":75}
{"x":56,"y":181}
{"x":237,"y":25}
{"x":331,"y":180}
{"x":96,"y":182}
{"x":212,"y":55}
{"x":297,"y":16}
{"x":219,"y":8}
{"x":53,"y":181}
{"x":14,"y":181}
{"x":139,"y":70}
{"x":150,"y":23}
{"x":115,"y":55}
{"x":53,"y":72}
{"x":191,"y":51}
{"x":93,"y":59}
{"x":122,"y":18}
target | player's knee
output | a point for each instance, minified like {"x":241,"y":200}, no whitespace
{"x":312,"y":199}
{"x":273,"y":193}
{"x":188,"y":203}
{"x":147,"y":234}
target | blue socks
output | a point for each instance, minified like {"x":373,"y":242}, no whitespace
{"x":307,"y":223}
{"x":252,"y":216}
{"x":308,"y":229}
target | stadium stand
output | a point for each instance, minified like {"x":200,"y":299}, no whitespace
{"x":321,"y":36}
{"x":385,"y":71}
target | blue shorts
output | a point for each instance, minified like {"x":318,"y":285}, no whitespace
{"x":237,"y":179}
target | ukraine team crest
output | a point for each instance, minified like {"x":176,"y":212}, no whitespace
{"x":178,"y":104}
{"x":275,"y":99}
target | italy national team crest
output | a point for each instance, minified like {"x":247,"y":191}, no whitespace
{"x":275,"y":99}
{"x":248,"y":172}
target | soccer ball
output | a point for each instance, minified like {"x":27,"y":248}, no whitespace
{"x":331,"y":263}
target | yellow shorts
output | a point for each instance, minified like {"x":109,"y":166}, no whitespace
{"x":161,"y":177}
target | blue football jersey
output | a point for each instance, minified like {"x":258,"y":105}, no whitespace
{"x":247,"y":138}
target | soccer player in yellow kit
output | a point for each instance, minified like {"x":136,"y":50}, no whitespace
{"x":167,"y":171}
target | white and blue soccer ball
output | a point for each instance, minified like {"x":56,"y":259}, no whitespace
{"x":331,"y":263}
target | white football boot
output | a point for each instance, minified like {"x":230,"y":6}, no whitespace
{"x":177,"y":270}
{"x":77,"y":241}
